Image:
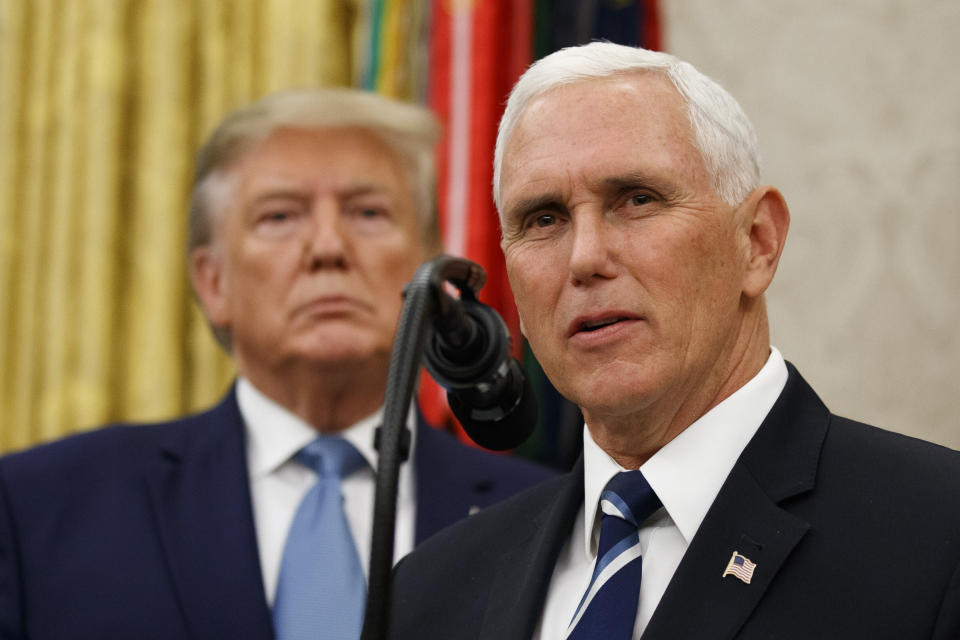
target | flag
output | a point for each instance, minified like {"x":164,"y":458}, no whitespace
{"x":477,"y":51}
{"x":740,"y":567}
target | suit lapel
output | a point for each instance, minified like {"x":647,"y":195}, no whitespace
{"x":517,"y":597}
{"x":780,"y":462}
{"x":199,"y":489}
{"x":699,"y":602}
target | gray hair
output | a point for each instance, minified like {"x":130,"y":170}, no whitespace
{"x":409,"y":130}
{"x":722,"y":132}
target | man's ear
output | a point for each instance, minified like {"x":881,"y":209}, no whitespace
{"x":206,"y":272}
{"x":768,"y":219}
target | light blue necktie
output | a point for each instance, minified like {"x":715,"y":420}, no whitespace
{"x":321,"y":589}
{"x":608,"y":609}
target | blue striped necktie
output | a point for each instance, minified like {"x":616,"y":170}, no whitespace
{"x":321,"y":589}
{"x":608,"y":609}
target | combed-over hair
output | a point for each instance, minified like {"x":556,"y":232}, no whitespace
{"x":409,"y":130}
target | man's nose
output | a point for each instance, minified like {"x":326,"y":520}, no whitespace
{"x":326,"y":243}
{"x":590,"y":252}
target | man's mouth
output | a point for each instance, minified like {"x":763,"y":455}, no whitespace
{"x":332,"y":305}
{"x":593,"y":325}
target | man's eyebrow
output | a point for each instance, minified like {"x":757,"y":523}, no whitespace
{"x":363,"y":189}
{"x":636,"y":179}
{"x":290,"y":193}
{"x":525,"y":206}
{"x":297,"y":192}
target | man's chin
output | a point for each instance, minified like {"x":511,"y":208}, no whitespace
{"x":343,"y":361}
{"x":340,"y":351}
{"x":343,"y":353}
{"x":614,"y":395}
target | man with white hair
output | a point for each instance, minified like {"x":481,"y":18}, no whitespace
{"x":311,"y":210}
{"x":717,"y":497}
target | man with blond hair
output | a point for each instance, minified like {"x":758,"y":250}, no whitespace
{"x":311,"y":210}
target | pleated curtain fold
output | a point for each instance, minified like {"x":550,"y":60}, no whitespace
{"x":103,"y":104}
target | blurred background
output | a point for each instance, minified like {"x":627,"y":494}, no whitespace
{"x":103,"y":104}
{"x":857,"y":106}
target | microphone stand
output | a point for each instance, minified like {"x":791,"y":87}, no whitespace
{"x":423,"y":301}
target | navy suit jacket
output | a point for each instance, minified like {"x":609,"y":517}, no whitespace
{"x":147,"y":531}
{"x":855,"y":533}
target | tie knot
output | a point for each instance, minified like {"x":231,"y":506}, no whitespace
{"x":331,"y":457}
{"x":629,"y":496}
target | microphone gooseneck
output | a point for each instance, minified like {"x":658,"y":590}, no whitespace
{"x":466,"y":347}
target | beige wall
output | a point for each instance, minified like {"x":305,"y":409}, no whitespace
{"x":857,"y":105}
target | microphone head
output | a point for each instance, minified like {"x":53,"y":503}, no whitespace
{"x":469,"y":355}
{"x":499,"y":428}
{"x":481,"y":358}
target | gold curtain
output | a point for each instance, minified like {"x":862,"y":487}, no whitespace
{"x":102,"y":106}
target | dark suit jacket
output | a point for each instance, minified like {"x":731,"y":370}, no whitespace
{"x":855,"y":533}
{"x":147,"y":531}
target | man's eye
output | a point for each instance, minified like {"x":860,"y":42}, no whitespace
{"x":545,"y":220}
{"x":367,"y":211}
{"x":640,"y":199}
{"x":370,"y":219}
{"x":277,"y":223}
{"x":276,"y":217}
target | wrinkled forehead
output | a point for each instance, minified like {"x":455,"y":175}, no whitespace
{"x":636,"y":94}
{"x":599,"y":125}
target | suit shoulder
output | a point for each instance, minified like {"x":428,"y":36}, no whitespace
{"x":870,"y":443}
{"x":114,"y":446}
{"x":108,"y":441}
{"x":508,"y":466}
{"x":920,"y":475}
{"x":454,"y":479}
{"x":441,"y":448}
{"x":517,"y":516}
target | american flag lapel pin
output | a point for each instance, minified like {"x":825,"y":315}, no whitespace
{"x":740,"y":567}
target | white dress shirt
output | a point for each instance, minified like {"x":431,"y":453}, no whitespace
{"x":686,"y":475}
{"x":278,"y":484}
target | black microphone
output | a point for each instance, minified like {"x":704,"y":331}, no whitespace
{"x":468,"y":353}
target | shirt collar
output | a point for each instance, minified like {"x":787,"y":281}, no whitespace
{"x":711,"y":445}
{"x":274,"y":434}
